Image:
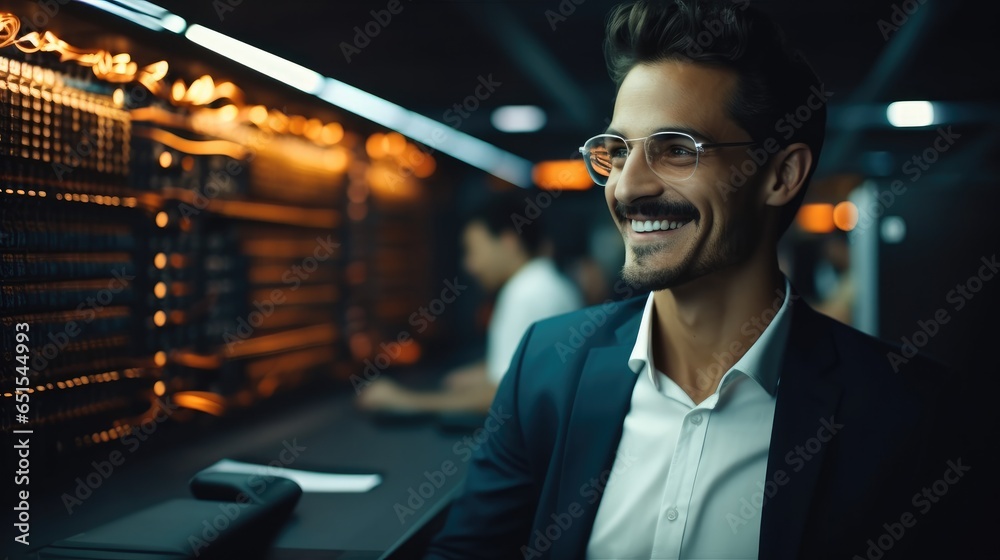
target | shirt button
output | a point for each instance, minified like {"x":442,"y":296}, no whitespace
{"x":671,"y":514}
{"x":696,"y":419}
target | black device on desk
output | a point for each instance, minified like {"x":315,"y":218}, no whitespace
{"x":233,"y":516}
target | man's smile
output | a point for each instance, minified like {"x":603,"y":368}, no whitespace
{"x":655,"y":219}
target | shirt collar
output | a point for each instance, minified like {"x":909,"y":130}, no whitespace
{"x":761,"y":362}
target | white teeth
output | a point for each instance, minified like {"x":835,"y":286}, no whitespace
{"x":641,"y":226}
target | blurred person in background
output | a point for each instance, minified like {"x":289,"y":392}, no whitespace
{"x":597,"y":270}
{"x":505,"y":252}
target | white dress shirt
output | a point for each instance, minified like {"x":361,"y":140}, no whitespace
{"x":692,"y":476}
{"x":536,"y":291}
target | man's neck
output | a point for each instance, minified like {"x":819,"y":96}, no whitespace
{"x":698,"y":326}
{"x":517,"y":263}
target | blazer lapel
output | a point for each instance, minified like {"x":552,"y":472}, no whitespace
{"x":807,"y":398}
{"x":602,"y":400}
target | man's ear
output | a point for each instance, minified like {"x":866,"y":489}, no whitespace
{"x":789,"y":170}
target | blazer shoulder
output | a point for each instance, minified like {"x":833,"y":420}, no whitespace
{"x":867,"y":355}
{"x":595,"y":325}
{"x":555,"y":349}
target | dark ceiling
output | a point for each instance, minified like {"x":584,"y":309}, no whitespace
{"x":431,"y":54}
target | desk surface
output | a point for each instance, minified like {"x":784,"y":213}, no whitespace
{"x":421,"y":466}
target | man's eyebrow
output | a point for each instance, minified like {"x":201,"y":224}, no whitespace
{"x":697,"y":134}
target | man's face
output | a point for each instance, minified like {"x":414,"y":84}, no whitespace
{"x":721,"y":226}
{"x":484,"y":256}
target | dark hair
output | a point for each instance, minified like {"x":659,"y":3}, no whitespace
{"x":512,"y":211}
{"x":774,"y":80}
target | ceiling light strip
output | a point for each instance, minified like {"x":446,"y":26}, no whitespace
{"x":433,"y":134}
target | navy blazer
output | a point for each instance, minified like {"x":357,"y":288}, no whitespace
{"x":534,"y":486}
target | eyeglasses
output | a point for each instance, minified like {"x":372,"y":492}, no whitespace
{"x":673,"y":156}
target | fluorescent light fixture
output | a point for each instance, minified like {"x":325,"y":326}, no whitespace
{"x":283,"y":70}
{"x":464,"y":147}
{"x":518,"y":118}
{"x":144,"y":7}
{"x":141,"y":12}
{"x":437,"y":136}
{"x":144,"y":20}
{"x":910,"y":113}
{"x":360,"y":102}
{"x":433,"y":134}
{"x":173,"y":22}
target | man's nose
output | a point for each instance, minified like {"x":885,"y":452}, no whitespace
{"x":636,"y":179}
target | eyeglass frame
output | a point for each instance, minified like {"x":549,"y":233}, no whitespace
{"x":699,"y":147}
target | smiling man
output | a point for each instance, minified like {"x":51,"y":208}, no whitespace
{"x":718,"y":416}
